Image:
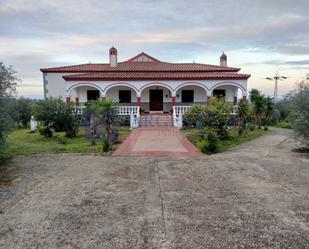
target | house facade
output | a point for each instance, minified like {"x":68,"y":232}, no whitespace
{"x":145,"y":84}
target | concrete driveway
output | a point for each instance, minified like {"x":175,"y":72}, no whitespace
{"x":255,"y":196}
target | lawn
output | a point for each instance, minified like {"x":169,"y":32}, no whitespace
{"x":283,"y":124}
{"x":234,"y":140}
{"x":22,"y":142}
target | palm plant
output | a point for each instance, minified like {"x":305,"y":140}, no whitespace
{"x":259,"y":109}
{"x":104,"y":113}
{"x":269,"y":109}
{"x":243,"y":112}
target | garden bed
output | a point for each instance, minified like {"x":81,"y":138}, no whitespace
{"x":235,"y":139}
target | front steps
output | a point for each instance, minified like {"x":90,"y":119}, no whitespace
{"x":156,"y":120}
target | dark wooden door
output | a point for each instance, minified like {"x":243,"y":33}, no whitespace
{"x":156,"y":100}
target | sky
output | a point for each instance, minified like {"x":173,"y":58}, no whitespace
{"x":263,"y":37}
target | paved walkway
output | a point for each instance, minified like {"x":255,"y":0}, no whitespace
{"x":254,"y":196}
{"x":157,"y":142}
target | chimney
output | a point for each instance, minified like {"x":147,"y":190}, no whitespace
{"x":113,"y":57}
{"x":223,"y":60}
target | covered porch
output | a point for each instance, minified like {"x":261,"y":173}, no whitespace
{"x":157,"y":98}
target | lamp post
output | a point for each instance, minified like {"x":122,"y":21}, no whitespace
{"x":276,"y":78}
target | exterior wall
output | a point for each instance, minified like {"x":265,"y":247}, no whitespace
{"x":81,"y":93}
{"x":54,"y":85}
{"x":113,"y":93}
{"x":229,"y":92}
{"x":200,"y":95}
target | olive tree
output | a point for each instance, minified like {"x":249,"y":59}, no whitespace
{"x":8,"y":82}
{"x":299,"y":114}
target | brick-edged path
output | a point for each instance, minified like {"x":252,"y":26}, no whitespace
{"x":157,"y":142}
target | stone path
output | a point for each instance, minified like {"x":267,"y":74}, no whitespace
{"x":157,"y":142}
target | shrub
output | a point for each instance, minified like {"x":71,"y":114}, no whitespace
{"x":106,"y":144}
{"x":52,"y":113}
{"x":210,"y":144}
{"x":195,"y":114}
{"x":251,"y":126}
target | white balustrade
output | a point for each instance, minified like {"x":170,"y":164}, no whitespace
{"x":79,"y":110}
{"x":178,"y":112}
{"x":128,"y":110}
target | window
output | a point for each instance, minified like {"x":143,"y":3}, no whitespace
{"x":219,"y":93}
{"x":187,"y":96}
{"x":93,"y":95}
{"x":124,"y":96}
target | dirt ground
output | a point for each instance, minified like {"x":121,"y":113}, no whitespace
{"x":254,"y":196}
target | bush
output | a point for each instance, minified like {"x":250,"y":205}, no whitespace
{"x":213,"y":116}
{"x":106,"y":144}
{"x":195,"y":114}
{"x":52,"y":113}
{"x":210,"y":144}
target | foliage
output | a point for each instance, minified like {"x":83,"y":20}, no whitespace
{"x":53,"y":114}
{"x":243,"y":113}
{"x":193,"y":135}
{"x":283,"y":124}
{"x":210,"y":143}
{"x":101,"y":114}
{"x":283,"y":108}
{"x":24,"y":108}
{"x":299,"y":115}
{"x":254,"y":93}
{"x":195,"y":114}
{"x":263,"y":107}
{"x":268,"y":110}
{"x":212,"y":116}
{"x":8,"y":82}
{"x":106,"y":144}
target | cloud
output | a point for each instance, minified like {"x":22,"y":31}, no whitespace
{"x":53,"y":33}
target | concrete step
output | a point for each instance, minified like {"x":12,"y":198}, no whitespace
{"x":155,"y":120}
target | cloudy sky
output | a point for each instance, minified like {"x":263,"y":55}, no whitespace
{"x":262,"y":37}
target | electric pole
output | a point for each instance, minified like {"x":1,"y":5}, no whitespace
{"x":276,"y":78}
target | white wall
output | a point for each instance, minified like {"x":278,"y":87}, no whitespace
{"x":229,"y":92}
{"x":199,"y":93}
{"x":113,"y":93}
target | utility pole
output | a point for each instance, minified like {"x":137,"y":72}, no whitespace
{"x":276,"y":78}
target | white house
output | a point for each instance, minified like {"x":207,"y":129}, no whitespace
{"x":144,"y":83}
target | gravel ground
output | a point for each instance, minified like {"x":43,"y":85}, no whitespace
{"x":254,"y":196}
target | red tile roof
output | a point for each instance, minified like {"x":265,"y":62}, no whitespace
{"x":156,"y":76}
{"x":149,"y":70}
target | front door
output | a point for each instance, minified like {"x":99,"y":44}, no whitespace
{"x":156,"y":100}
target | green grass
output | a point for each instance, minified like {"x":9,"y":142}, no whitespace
{"x":283,"y":124}
{"x":234,"y":140}
{"x":22,"y":142}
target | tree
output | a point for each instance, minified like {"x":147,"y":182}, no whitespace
{"x":259,"y":109}
{"x":269,"y":108}
{"x":243,"y":113}
{"x":23,"y":108}
{"x":106,"y":112}
{"x":53,"y":114}
{"x":254,"y":93}
{"x":299,"y":115}
{"x":8,"y":82}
